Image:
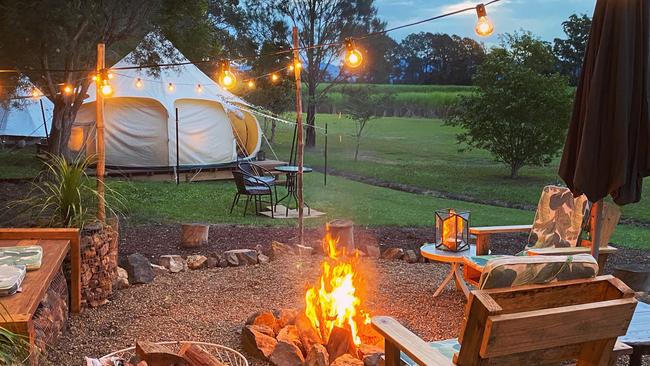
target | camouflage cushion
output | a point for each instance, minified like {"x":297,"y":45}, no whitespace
{"x":447,"y":348}
{"x":558,"y":220}
{"x":536,"y":270}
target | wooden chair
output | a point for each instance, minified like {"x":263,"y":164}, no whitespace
{"x":529,"y":325}
{"x":560,"y":221}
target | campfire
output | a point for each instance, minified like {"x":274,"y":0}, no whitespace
{"x":335,"y":300}
{"x":333,"y":328}
{"x":452,"y":230}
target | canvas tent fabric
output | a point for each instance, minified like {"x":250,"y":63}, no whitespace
{"x":140,"y":120}
{"x":22,"y":117}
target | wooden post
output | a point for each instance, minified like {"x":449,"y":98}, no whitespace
{"x":300,"y":148}
{"x":325,"y":172}
{"x":596,"y":224}
{"x":101,"y":153}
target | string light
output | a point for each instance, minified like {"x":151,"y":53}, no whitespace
{"x":226,"y":78}
{"x":199,"y":89}
{"x":111,"y":76}
{"x":484,"y":26}
{"x":36,"y":93}
{"x":297,"y":64}
{"x":170,"y":87}
{"x":138,"y":83}
{"x":274,"y":77}
{"x":67,"y":89}
{"x":353,"y":57}
{"x":107,"y":89}
{"x":251,"y":84}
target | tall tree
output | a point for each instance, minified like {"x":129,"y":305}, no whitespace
{"x":521,"y":109}
{"x":326,"y":23}
{"x":571,"y":51}
{"x":53,"y":42}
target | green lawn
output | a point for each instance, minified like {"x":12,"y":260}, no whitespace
{"x":424,"y":153}
{"x":341,"y":198}
{"x":19,"y":163}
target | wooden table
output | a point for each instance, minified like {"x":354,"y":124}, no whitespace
{"x":638,"y":334}
{"x":455,"y":259}
{"x":22,"y":306}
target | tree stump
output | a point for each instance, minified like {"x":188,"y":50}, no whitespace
{"x":636,"y":276}
{"x":194,"y":235}
{"x":343,"y":232}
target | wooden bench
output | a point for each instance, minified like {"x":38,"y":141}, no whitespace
{"x":541,"y":325}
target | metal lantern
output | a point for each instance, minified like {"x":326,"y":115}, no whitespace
{"x":452,"y":230}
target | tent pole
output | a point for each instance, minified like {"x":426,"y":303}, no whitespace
{"x":47,"y":135}
{"x":325,"y":175}
{"x":300,"y":148}
{"x":597,"y":227}
{"x":99,"y":138}
{"x":178,"y":163}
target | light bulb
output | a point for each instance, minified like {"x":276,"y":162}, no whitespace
{"x":199,"y":89}
{"x":67,"y":89}
{"x":484,"y":26}
{"x":170,"y":87}
{"x":353,"y":57}
{"x":107,"y":89}
{"x":110,"y":76}
{"x":251,"y":84}
{"x":138,"y":83}
{"x":36,"y":93}
{"x":274,"y":77}
{"x":227,"y":79}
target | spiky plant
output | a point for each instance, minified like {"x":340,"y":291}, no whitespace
{"x":15,"y":349}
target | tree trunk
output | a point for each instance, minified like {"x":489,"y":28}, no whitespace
{"x":272,"y":131}
{"x":514,"y":171}
{"x":62,"y":119}
{"x":356,"y":151}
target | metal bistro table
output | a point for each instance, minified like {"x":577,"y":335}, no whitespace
{"x":638,"y":334}
{"x":292,"y":171}
{"x":455,"y":259}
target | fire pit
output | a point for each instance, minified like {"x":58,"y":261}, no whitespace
{"x":452,"y":230}
{"x":333,"y":328}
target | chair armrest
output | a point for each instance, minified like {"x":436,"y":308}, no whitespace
{"x":568,"y":251}
{"x":256,"y":179}
{"x":398,"y":338}
{"x":487,"y":230}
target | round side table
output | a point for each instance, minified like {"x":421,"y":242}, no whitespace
{"x":455,"y":259}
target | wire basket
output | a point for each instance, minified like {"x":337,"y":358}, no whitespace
{"x":227,"y":356}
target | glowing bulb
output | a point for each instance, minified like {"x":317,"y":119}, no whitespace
{"x":110,"y":76}
{"x":95,"y":77}
{"x":107,"y":89}
{"x":170,"y":87}
{"x":36,"y":93}
{"x":227,"y":79}
{"x":199,"y":89}
{"x":250,"y":84}
{"x":484,"y":26}
{"x":138,"y":83}
{"x":274,"y":77}
{"x":291,"y":67}
{"x":67,"y":89}
{"x":353,"y":57}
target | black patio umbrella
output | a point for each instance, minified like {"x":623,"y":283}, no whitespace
{"x":607,"y":150}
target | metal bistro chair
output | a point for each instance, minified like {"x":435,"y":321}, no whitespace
{"x":262,"y":174}
{"x":251,"y":186}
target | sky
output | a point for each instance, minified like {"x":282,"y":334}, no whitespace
{"x":542,"y":17}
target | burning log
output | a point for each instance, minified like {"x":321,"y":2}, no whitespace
{"x":340,"y":343}
{"x":158,"y":355}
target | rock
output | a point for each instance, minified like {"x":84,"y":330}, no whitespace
{"x":309,"y":336}
{"x":410,"y":256}
{"x":290,"y":334}
{"x":122,"y":280}
{"x":317,"y":356}
{"x":138,"y":268}
{"x":241,"y":257}
{"x":263,"y":259}
{"x":264,"y":317}
{"x":256,"y":343}
{"x":304,"y":250}
{"x":264,"y":330}
{"x":393,"y":253}
{"x":212,"y":262}
{"x":159,"y":270}
{"x":373,"y":251}
{"x":287,"y":354}
{"x":286,"y":317}
{"x":196,"y":261}
{"x":280,"y":249}
{"x":371,"y":355}
{"x":347,"y":360}
{"x":174,"y":263}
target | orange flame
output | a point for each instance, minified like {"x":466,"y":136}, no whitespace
{"x":451,"y":227}
{"x":335,"y":300}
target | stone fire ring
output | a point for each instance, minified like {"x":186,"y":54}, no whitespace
{"x":228,"y":356}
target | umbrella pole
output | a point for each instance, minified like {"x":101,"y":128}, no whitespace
{"x":597,"y":207}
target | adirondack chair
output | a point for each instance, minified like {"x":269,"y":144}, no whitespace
{"x":560,"y":222}
{"x":573,"y":315}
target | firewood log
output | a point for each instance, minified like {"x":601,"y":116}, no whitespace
{"x":197,"y":356}
{"x":158,"y":355}
{"x":194,"y":235}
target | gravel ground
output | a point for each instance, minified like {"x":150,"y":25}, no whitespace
{"x":211,"y":305}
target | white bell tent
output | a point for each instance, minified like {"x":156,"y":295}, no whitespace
{"x":22,"y":116}
{"x":140,"y":119}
